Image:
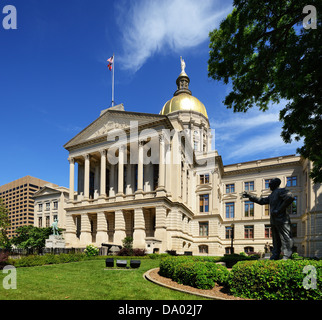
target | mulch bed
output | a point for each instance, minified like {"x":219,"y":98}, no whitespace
{"x":218,"y":292}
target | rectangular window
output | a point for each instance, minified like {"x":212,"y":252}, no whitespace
{"x":230,"y":210}
{"x":267,"y":209}
{"x":47,"y":205}
{"x":294,"y":229}
{"x":292,"y":209}
{"x":249,"y":209}
{"x":55,"y":205}
{"x":40,"y":222}
{"x":230,"y":188}
{"x":229,"y":232}
{"x":249,"y":186}
{"x":204,"y":178}
{"x":47,"y":222}
{"x":204,"y":203}
{"x":249,"y":232}
{"x":291,"y":181}
{"x":268,"y":231}
{"x":40,"y":207}
{"x":203,"y":229}
{"x":267,"y":181}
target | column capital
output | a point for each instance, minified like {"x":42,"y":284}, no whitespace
{"x":161,"y":138}
{"x":103,"y":152}
{"x":86,"y":156}
{"x":71,"y":160}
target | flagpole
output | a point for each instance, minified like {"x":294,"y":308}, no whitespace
{"x":113,"y":66}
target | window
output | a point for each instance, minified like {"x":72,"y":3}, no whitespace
{"x":203,"y":229}
{"x":229,"y":250}
{"x":291,"y":181}
{"x":229,"y":232}
{"x":249,"y":250}
{"x":249,"y":232}
{"x":249,"y":186}
{"x":204,"y":203}
{"x":40,"y":207}
{"x":267,"y":181}
{"x":40,"y":222}
{"x":294,"y":229}
{"x":249,"y":209}
{"x":47,"y":206}
{"x":292,"y":209}
{"x":267,"y":209}
{"x":203,"y":249}
{"x":230,"y":188}
{"x":204,"y":178}
{"x":268,"y":231}
{"x":55,"y":205}
{"x":47,"y":222}
{"x":230,"y":210}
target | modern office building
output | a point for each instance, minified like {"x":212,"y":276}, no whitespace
{"x":18,"y":198}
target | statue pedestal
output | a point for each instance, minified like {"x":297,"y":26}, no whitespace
{"x":55,"y":242}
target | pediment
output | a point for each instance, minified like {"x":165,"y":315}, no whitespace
{"x":46,"y":191}
{"x":113,"y":120}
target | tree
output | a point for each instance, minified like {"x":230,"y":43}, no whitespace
{"x":4,"y":224}
{"x":264,"y":51}
{"x":31,"y":237}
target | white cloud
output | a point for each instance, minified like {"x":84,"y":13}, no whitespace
{"x":242,"y":136}
{"x":150,"y":26}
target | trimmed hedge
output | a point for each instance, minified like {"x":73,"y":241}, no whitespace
{"x":274,"y":280}
{"x":194,"y":272}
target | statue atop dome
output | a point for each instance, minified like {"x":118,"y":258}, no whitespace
{"x":183,"y":65}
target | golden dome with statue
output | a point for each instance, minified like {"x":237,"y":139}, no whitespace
{"x":182,"y":99}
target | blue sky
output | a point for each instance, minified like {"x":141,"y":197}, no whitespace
{"x":54,"y":80}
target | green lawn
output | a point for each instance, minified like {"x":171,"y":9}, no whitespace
{"x":87,"y":280}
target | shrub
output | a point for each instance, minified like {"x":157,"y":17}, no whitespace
{"x":91,"y":250}
{"x":274,"y":280}
{"x":35,"y":260}
{"x":3,"y":259}
{"x":193,"y":272}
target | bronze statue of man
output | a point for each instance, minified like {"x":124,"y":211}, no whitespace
{"x":278,"y":200}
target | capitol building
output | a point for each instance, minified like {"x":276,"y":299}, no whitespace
{"x":155,"y":178}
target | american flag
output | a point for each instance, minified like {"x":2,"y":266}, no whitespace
{"x":110,"y":63}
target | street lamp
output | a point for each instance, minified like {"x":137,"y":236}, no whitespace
{"x":232,"y":238}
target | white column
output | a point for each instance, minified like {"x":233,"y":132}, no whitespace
{"x":86,"y":175}
{"x":119,"y":234}
{"x":71,"y":178}
{"x":140,"y":167}
{"x":139,"y":229}
{"x":102,"y":235}
{"x":120,"y":188}
{"x":86,"y":234}
{"x":161,"y":162}
{"x":103,"y":173}
{"x":70,"y":234}
{"x":161,"y":227}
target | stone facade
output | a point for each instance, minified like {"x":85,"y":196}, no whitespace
{"x":155,"y":178}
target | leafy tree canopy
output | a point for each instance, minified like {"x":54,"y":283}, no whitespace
{"x":31,"y":237}
{"x":4,"y":224}
{"x":264,"y":51}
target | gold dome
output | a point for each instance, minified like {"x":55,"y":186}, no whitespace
{"x":184,"y":102}
{"x":182,"y":99}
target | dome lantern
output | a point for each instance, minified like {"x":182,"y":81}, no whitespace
{"x":183,"y":100}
